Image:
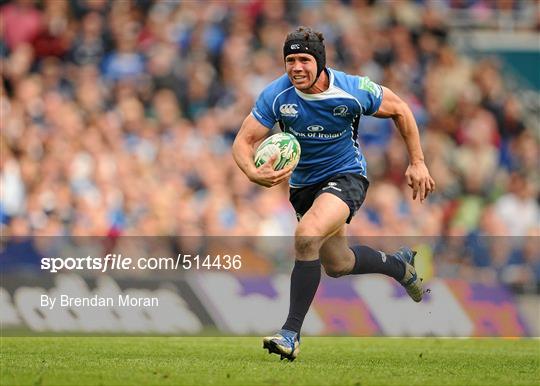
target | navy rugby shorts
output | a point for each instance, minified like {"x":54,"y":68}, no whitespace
{"x":349,"y":187}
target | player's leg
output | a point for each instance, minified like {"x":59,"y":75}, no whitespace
{"x":327,"y":215}
{"x":338,"y":259}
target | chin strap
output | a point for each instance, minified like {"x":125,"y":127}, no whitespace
{"x":316,"y":79}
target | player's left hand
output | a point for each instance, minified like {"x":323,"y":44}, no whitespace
{"x":420,"y":181}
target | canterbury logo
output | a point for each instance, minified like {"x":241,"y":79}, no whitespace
{"x":288,"y":110}
{"x":295,"y":46}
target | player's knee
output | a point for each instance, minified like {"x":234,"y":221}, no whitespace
{"x":335,"y":270}
{"x":306,"y":246}
{"x":305,"y":243}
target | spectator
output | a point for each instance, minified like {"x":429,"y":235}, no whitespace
{"x":21,"y":22}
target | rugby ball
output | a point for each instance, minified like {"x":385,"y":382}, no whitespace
{"x":283,"y":144}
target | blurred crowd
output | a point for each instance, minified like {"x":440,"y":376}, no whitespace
{"x":117,"y":118}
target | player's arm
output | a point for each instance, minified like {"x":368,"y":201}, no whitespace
{"x":417,"y":174}
{"x":250,"y":135}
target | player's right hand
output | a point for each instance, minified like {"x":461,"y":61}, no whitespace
{"x":266,"y":176}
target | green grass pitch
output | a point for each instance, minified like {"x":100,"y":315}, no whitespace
{"x":242,"y":361}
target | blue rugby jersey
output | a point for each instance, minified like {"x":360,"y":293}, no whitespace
{"x":325,"y":124}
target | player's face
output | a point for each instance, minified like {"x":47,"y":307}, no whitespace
{"x":302,"y":70}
